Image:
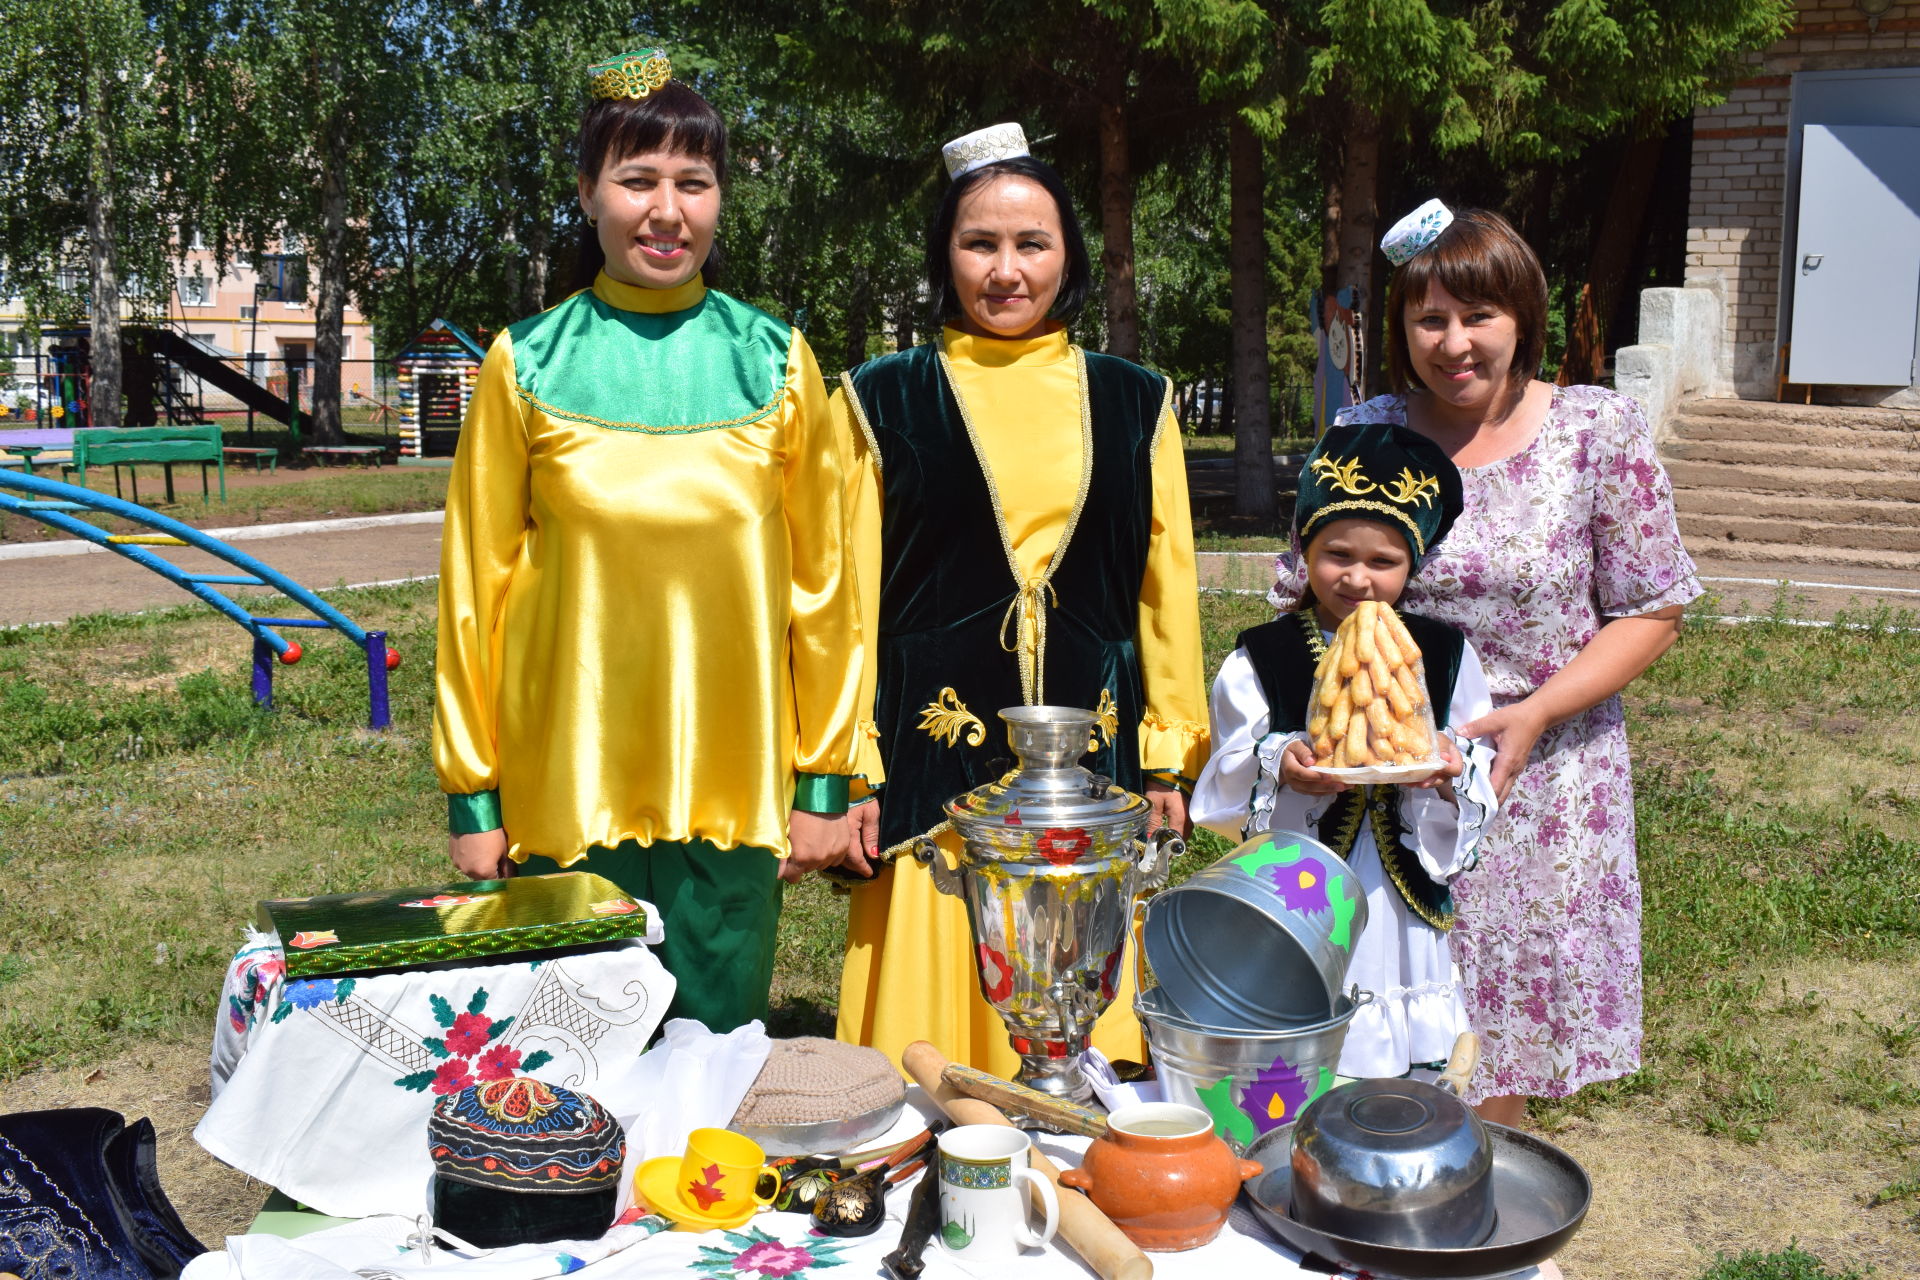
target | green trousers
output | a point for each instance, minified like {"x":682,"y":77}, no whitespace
{"x":721,"y":908}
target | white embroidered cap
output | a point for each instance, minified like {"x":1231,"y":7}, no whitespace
{"x":984,"y":146}
{"x":1416,"y":231}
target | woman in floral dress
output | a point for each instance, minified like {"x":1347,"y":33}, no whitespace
{"x":1567,"y":573}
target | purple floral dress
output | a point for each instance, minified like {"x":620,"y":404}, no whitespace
{"x":1576,"y":528}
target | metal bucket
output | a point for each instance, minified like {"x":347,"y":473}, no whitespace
{"x":1250,"y":1082}
{"x":1260,"y":939}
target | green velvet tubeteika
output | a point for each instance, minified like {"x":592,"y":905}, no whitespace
{"x":471,"y":814}
{"x":820,"y":792}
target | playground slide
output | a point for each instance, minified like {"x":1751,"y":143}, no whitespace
{"x":200,"y":361}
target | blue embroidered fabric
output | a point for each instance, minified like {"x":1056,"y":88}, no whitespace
{"x":80,"y":1198}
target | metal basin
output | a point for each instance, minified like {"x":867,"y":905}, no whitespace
{"x":1252,"y":1082}
{"x":1260,"y":939}
{"x":1396,"y":1162}
{"x":1540,"y":1198}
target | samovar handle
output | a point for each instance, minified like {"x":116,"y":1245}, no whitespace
{"x":1157,"y":853}
{"x":945,"y":878}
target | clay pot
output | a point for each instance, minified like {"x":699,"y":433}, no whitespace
{"x":1163,"y":1176}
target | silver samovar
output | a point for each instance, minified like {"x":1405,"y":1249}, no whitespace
{"x":1054,"y":858}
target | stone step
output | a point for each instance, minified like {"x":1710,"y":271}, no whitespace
{"x":1701,"y":530}
{"x":1702,"y":429}
{"x":1794,"y":508}
{"x":1795,"y":456}
{"x":1805,"y":481}
{"x":1849,"y":417}
{"x":1783,"y":553}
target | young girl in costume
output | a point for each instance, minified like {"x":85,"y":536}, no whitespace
{"x":1405,"y":843}
{"x":650,"y":653}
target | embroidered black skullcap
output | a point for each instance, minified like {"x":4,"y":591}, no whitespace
{"x":518,"y":1161}
{"x":1383,"y":472}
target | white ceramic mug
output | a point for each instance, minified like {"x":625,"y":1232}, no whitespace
{"x":983,"y":1206}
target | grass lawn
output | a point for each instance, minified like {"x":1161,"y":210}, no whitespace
{"x":315,"y":493}
{"x":145,"y":806}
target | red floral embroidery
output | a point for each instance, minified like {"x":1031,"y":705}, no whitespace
{"x":452,"y":1076}
{"x":1062,"y":845}
{"x":499,"y":1062}
{"x":469,"y":1034}
{"x":996,"y":972}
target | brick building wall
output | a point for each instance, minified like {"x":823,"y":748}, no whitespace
{"x":1739,"y":195}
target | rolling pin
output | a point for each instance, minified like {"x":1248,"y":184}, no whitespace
{"x":1089,"y":1232}
{"x":1029,"y":1108}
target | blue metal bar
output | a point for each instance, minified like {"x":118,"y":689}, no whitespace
{"x":147,"y":560}
{"x":379,"y":716}
{"x":54,"y":502}
{"x":192,"y":537}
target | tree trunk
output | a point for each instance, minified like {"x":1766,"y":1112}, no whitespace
{"x":1358,"y":213}
{"x":1116,"y":227}
{"x":103,"y":261}
{"x":859,"y":303}
{"x":1613,"y":248}
{"x":903,"y":324}
{"x":539,"y":242}
{"x":330,"y":304}
{"x":1253,"y":402}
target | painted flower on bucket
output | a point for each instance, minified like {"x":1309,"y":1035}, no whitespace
{"x":1301,"y":885}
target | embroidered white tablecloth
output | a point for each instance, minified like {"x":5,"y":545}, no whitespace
{"x":322,"y":1086}
{"x":774,"y":1246}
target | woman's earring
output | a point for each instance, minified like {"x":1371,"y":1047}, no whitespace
{"x":592,"y":221}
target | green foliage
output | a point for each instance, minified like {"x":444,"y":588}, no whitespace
{"x":1791,"y":1263}
{"x":81,"y":85}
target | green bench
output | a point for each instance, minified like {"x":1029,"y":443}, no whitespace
{"x":241,"y":453}
{"x":155,"y":446}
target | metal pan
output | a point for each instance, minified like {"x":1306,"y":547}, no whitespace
{"x":1540,"y":1197}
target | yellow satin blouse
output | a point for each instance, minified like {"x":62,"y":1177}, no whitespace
{"x":1024,"y":399}
{"x":645,"y":631}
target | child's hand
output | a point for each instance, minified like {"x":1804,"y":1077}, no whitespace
{"x":1297,"y":771}
{"x":1450,"y":767}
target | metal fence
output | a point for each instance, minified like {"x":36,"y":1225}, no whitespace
{"x":45,"y":390}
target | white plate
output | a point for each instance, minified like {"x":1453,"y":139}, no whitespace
{"x":1419,"y":771}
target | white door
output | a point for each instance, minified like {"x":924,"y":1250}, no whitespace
{"x":1856,"y":297}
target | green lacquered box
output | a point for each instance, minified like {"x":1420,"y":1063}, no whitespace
{"x":398,"y":928}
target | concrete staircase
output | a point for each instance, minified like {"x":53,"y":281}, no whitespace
{"x":1814,"y":485}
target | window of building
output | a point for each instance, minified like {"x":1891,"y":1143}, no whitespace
{"x":196,"y":291}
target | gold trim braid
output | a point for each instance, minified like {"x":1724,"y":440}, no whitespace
{"x":1361,"y":504}
{"x":745,"y":419}
{"x":860,"y":417}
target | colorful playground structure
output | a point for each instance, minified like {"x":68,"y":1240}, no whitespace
{"x":56,"y":504}
{"x":437,"y":372}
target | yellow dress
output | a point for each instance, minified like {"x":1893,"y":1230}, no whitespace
{"x":648,"y":628}
{"x":909,"y":972}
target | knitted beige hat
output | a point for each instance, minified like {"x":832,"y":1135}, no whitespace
{"x":810,"y":1080}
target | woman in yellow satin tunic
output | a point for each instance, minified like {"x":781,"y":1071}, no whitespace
{"x":649,"y":635}
{"x":1007,"y":261}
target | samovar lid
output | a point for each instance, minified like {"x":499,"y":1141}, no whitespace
{"x":1047,"y":788}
